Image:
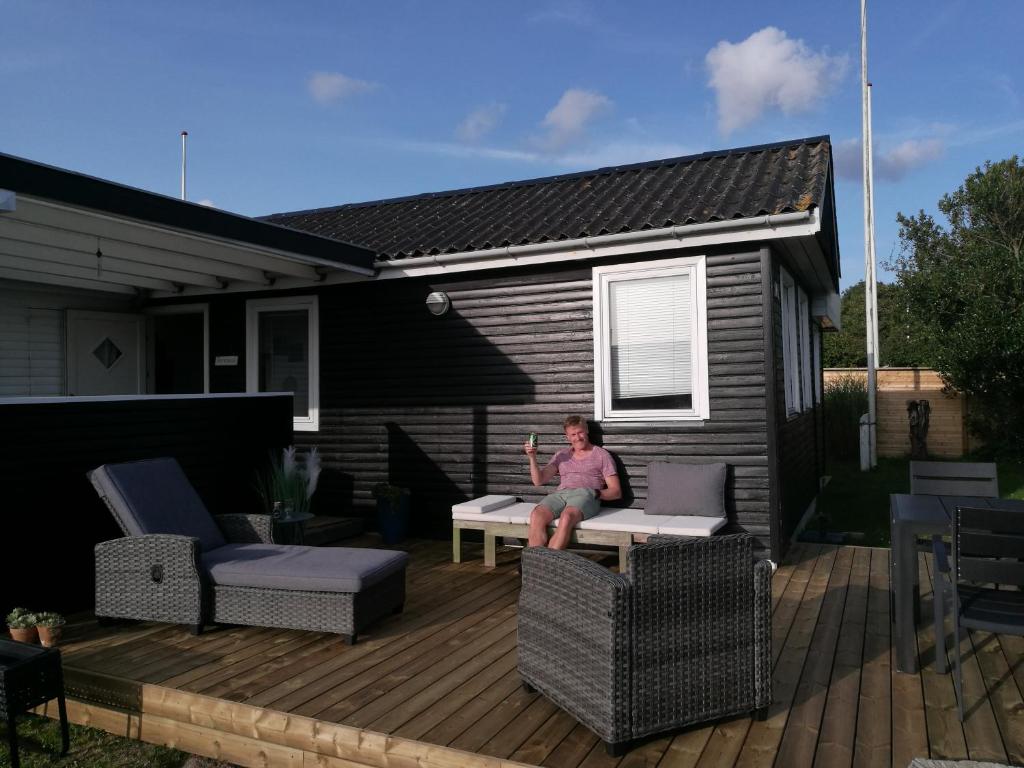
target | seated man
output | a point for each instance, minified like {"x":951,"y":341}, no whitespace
{"x":587,"y":474}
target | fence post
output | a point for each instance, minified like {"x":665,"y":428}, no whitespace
{"x":865,"y":442}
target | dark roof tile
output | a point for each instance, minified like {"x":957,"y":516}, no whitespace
{"x":714,"y":186}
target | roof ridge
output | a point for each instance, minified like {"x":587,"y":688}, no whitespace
{"x":604,"y":171}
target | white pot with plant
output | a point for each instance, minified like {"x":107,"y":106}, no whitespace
{"x":22,"y":624}
{"x":288,"y":485}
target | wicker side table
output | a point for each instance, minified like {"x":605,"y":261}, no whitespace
{"x":29,"y":676}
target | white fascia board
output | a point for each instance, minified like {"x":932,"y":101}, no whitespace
{"x":8,"y":201}
{"x":692,"y":236}
{"x":827,"y":310}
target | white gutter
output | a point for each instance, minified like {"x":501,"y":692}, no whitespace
{"x":758,"y":227}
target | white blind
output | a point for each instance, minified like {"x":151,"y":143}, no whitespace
{"x":651,"y":332}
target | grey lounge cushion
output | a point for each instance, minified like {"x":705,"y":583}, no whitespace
{"x":685,"y":489}
{"x":155,"y":496}
{"x":308,"y":569}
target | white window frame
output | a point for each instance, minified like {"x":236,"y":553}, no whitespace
{"x":603,"y":276}
{"x":804,"y":329}
{"x":253,"y":308}
{"x":790,"y":343}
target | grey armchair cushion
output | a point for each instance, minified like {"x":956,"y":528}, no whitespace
{"x":155,"y":496}
{"x":305,"y":569}
{"x":685,"y":489}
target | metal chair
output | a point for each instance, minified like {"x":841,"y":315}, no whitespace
{"x":988,"y":547}
{"x":949,"y":478}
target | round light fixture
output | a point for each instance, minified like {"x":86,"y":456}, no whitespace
{"x":438,"y":303}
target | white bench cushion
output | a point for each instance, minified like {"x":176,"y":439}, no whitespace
{"x":632,"y":520}
{"x":520,"y":513}
{"x":689,"y":525}
{"x":609,"y":519}
{"x":484,"y":504}
{"x":497,"y":516}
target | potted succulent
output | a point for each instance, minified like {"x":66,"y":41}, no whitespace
{"x":50,"y":626}
{"x":22,"y":624}
{"x":392,"y":511}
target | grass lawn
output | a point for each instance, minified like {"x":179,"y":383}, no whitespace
{"x":39,"y":746}
{"x":859,"y":501}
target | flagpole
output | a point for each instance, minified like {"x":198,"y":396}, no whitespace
{"x":870,"y":284}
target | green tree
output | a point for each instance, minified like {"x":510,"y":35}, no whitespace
{"x":902,"y":339}
{"x":965,"y":281}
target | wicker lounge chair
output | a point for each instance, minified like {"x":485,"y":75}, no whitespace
{"x":684,"y":636}
{"x":179,"y":564}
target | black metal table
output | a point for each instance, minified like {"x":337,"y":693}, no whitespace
{"x":291,"y":529}
{"x":913,"y":516}
{"x":30,"y":675}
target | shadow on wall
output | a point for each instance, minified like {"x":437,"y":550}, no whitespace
{"x":415,"y":400}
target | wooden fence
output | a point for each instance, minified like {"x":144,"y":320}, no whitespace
{"x":947,"y":433}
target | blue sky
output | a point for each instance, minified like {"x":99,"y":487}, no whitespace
{"x":307,"y":104}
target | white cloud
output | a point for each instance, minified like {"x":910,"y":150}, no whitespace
{"x":207,"y":202}
{"x":892,"y":164}
{"x":567,"y":120}
{"x":480,"y":122}
{"x":332,"y":87}
{"x":766,"y":70}
{"x":621,"y":153}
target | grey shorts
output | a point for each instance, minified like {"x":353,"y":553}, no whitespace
{"x":584,"y":499}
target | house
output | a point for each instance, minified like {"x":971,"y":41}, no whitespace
{"x":679,"y":304}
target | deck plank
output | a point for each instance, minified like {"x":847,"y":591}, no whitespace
{"x":909,"y":720}
{"x":839,"y":721}
{"x":762,"y":740}
{"x":873,"y":742}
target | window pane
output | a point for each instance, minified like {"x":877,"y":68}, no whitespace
{"x":284,"y":355}
{"x":651,"y":343}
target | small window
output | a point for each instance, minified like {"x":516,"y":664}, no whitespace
{"x":804,"y":320}
{"x":282,"y":353}
{"x":650,"y":347}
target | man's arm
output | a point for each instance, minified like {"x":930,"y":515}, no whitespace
{"x":538,"y":476}
{"x":613,"y":490}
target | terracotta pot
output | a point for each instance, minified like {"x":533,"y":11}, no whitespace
{"x":24,"y":634}
{"x":49,"y":637}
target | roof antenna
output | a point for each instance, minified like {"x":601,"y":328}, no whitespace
{"x":184,"y":140}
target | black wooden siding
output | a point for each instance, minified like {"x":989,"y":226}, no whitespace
{"x":51,"y":513}
{"x":800,"y":438}
{"x":442,"y":405}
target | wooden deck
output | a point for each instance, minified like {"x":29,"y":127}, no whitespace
{"x":437,"y":686}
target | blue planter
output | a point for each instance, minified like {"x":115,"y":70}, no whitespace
{"x":393,"y":519}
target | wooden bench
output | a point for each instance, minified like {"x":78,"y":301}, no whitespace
{"x":500,"y":516}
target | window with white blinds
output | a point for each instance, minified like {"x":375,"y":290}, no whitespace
{"x":650,"y":344}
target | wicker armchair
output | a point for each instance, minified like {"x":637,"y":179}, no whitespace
{"x":684,"y":636}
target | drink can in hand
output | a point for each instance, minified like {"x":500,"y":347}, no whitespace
{"x":533,"y":439}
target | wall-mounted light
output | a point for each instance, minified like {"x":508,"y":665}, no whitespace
{"x":438,"y":303}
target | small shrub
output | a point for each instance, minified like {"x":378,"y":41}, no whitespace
{"x":846,"y":400}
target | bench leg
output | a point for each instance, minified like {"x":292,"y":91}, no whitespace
{"x":623,"y":549}
{"x":490,"y":555}
{"x":456,"y":545}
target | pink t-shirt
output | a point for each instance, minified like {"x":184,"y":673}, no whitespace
{"x":588,"y":472}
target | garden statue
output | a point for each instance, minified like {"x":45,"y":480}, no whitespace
{"x":917,"y":413}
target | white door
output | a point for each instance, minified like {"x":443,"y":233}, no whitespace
{"x":106,"y":353}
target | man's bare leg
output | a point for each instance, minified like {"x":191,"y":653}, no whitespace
{"x":540,"y":519}
{"x":570,"y":518}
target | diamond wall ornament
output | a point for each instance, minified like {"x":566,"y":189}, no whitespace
{"x":107,"y":353}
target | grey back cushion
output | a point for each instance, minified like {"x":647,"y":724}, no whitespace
{"x":155,"y":496}
{"x":685,"y":489}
